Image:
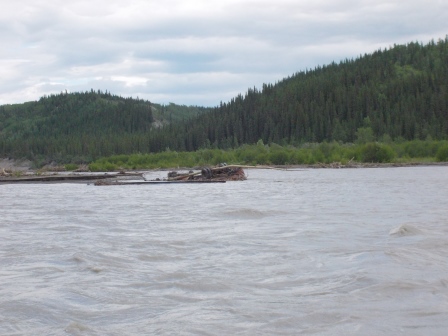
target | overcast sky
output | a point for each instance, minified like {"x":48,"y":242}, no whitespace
{"x":193,"y":52}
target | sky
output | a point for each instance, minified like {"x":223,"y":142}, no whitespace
{"x":193,"y":52}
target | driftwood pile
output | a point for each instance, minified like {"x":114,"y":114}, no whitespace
{"x":220,"y":173}
{"x":4,"y":172}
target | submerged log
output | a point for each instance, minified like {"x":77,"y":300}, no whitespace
{"x":62,"y":177}
{"x":115,"y":182}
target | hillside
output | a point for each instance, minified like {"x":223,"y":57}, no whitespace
{"x":83,"y":126}
{"x":399,"y":93}
{"x":396,"y":94}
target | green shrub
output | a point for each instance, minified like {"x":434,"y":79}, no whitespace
{"x":442,"y":154}
{"x":279,"y":157}
{"x":317,"y":156}
{"x":262,"y":159}
{"x":375,"y":152}
{"x":94,"y":167}
{"x":102,"y":166}
{"x":71,"y":166}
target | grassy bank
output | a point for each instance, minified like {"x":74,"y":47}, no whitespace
{"x":307,"y":154}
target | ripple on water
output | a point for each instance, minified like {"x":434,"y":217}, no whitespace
{"x":245,"y":213}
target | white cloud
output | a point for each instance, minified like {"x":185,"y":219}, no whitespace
{"x":196,"y":52}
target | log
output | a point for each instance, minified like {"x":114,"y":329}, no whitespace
{"x":60,"y":177}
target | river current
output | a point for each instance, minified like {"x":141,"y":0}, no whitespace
{"x":306,"y":252}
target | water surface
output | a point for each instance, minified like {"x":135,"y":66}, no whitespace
{"x":311,"y":252}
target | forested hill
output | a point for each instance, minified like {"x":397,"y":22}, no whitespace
{"x":401,"y":92}
{"x":83,"y":126}
{"x":398,"y":93}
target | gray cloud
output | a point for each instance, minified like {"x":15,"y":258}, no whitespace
{"x":193,"y":51}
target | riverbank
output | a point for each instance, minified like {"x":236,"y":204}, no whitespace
{"x":367,"y":165}
{"x":19,"y":172}
{"x":12,"y":167}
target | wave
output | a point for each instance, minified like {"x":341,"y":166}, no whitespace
{"x":405,"y":230}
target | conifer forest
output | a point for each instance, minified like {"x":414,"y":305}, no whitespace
{"x":393,"y":95}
